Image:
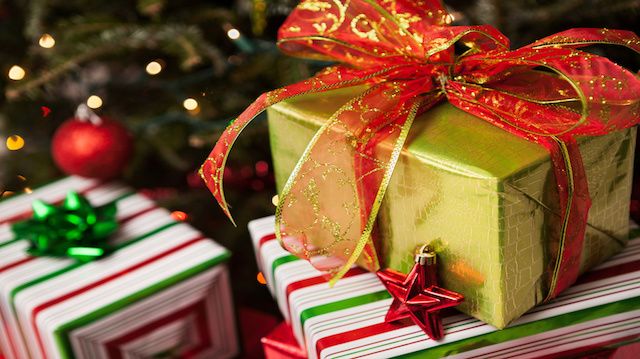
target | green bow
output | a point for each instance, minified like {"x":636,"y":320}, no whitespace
{"x":75,"y":229}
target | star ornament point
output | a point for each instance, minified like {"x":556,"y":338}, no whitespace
{"x":417,"y":296}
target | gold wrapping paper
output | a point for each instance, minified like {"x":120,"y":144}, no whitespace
{"x":485,"y":199}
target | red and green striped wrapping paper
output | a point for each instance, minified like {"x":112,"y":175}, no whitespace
{"x":347,"y":321}
{"x":165,"y":291}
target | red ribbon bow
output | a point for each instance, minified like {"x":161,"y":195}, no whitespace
{"x":547,"y":92}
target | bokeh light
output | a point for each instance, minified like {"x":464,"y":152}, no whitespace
{"x":16,"y":73}
{"x":262,"y":168}
{"x":47,"y":41}
{"x":179,"y":216}
{"x":261,"y":279}
{"x":233,"y":34}
{"x":15,"y":142}
{"x":94,"y":102}
{"x":190,"y":104}
{"x":153,"y":68}
{"x":7,"y":194}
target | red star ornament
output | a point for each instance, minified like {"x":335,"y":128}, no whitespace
{"x":418,"y":296}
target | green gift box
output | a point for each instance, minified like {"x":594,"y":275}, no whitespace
{"x":485,"y":199}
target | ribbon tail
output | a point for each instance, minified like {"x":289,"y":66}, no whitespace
{"x":575,"y":202}
{"x":212,"y":170}
{"x":329,"y":204}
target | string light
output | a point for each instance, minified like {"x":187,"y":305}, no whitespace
{"x":262,"y":168}
{"x":197,"y":142}
{"x":154,"y":68}
{"x":16,"y":73}
{"x":15,"y":142}
{"x":233,"y":34}
{"x":179,"y":216}
{"x":190,"y":104}
{"x":94,"y":102}
{"x":241,"y":42}
{"x":275,"y":200}
{"x":47,"y":41}
{"x":28,"y":190}
{"x":261,"y":279}
{"x":7,"y":194}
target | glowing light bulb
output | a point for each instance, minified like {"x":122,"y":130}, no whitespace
{"x":179,"y":216}
{"x":275,"y":200}
{"x":190,"y":104}
{"x":15,"y":142}
{"x":233,"y":34}
{"x":261,"y":279}
{"x":16,"y":73}
{"x":262,"y":168}
{"x":154,"y":68}
{"x":7,"y":194}
{"x":94,"y":102}
{"x":47,"y":41}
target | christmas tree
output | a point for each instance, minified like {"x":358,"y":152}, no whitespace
{"x":174,"y":73}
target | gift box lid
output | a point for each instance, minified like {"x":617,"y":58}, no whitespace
{"x":445,"y":136}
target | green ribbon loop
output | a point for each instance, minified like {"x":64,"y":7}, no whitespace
{"x":76,"y":229}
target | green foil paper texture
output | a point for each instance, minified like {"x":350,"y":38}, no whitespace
{"x":484,"y":199}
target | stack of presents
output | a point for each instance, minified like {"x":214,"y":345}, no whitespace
{"x":443,"y":196}
{"x":439,"y":195}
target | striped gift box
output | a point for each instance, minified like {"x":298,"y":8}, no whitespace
{"x":164,"y":291}
{"x":347,"y":321}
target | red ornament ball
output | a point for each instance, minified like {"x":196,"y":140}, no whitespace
{"x":96,"y":149}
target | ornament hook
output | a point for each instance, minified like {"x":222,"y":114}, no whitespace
{"x":425,"y":256}
{"x":84,"y":113}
